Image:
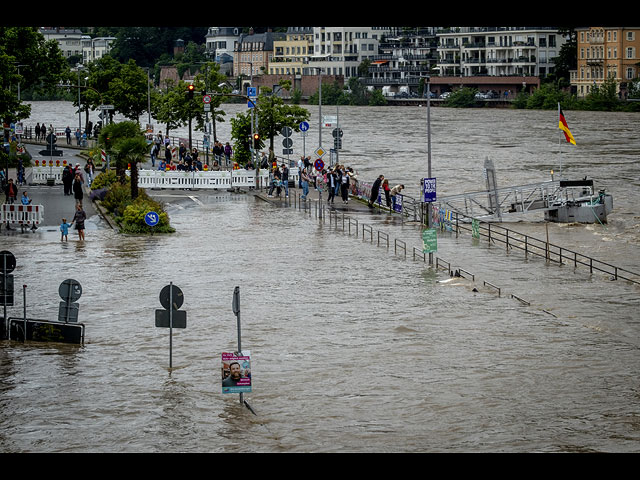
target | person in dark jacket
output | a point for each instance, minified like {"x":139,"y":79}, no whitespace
{"x":77,"y":189}
{"x":375,"y":189}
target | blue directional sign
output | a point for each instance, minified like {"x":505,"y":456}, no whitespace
{"x":152,"y":219}
{"x":252,"y":93}
{"x":304,"y":126}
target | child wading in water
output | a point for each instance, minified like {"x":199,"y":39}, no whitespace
{"x":64,"y":229}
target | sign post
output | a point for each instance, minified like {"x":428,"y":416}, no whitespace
{"x":171,"y":298}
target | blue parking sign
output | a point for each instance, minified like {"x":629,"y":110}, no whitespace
{"x":428,"y":190}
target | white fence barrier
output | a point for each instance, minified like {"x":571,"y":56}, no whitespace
{"x":220,"y":179}
{"x":21,"y":214}
{"x":39,"y":175}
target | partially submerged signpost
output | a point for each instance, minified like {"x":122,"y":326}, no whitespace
{"x":171,"y":298}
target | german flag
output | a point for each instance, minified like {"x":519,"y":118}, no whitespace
{"x":562,"y":124}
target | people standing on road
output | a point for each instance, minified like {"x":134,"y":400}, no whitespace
{"x":396,"y":190}
{"x":37,"y":132}
{"x":154,"y":154}
{"x":167,"y":154}
{"x":285,"y":179}
{"x":77,"y":189}
{"x":78,"y":136}
{"x":344,"y":187}
{"x":64,"y":229}
{"x":67,"y":179}
{"x":25,"y":200}
{"x":228,"y":151}
{"x":375,"y":189}
{"x":10,"y":192}
{"x":79,"y":217}
{"x":331,"y":186}
{"x":276,"y":182}
{"x":304,"y":182}
{"x":386,"y":190}
{"x":67,"y":132}
{"x":89,"y":170}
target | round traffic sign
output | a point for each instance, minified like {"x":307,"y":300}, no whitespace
{"x":206,"y":99}
{"x":178,"y":297}
{"x":7,"y":262}
{"x":287,"y":142}
{"x":319,"y":164}
{"x":286,"y":131}
{"x":151,"y":219}
{"x":70,"y":290}
{"x":304,"y":126}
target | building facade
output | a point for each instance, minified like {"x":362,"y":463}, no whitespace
{"x":341,"y":50}
{"x":606,"y":52}
{"x":221,"y":42}
{"x":498,"y":51}
{"x":253,"y":53}
{"x":406,"y":56}
{"x":290,"y":56}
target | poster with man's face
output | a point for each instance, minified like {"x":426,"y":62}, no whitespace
{"x":236,"y":372}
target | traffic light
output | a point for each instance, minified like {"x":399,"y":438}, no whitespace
{"x":190,"y":90}
{"x":256,"y":140}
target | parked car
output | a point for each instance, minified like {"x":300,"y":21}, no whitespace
{"x":445,"y":94}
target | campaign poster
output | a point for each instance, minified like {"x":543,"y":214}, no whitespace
{"x":236,"y":372}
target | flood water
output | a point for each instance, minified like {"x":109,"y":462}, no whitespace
{"x":354,"y":348}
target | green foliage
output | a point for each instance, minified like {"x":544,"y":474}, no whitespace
{"x":128,"y":213}
{"x":134,"y":214}
{"x":104,"y":180}
{"x":462,"y":98}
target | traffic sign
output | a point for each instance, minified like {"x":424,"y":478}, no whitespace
{"x":70,"y":290}
{"x":320,"y":151}
{"x":151,"y":219}
{"x":287,"y":142}
{"x":178,"y":297}
{"x":319,"y":165}
{"x":286,"y":131}
{"x":336,"y":132}
{"x":206,"y":99}
{"x":178,"y":319}
{"x":304,"y":126}
{"x":7,"y":262}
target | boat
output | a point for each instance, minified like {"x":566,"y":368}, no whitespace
{"x":579,"y":203}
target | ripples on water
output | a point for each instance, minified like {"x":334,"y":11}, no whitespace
{"x":354,"y":348}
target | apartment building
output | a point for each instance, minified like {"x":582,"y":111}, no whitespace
{"x":221,"y":42}
{"x":253,"y":53}
{"x":95,"y":48}
{"x":606,"y":52}
{"x":406,"y":55}
{"x":290,"y":56}
{"x":341,"y":50}
{"x":498,"y":51}
{"x":69,"y":40}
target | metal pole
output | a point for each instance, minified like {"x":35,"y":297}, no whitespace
{"x":236,"y":310}
{"x":429,"y":155}
{"x":24,"y":310}
{"x":170,"y":324}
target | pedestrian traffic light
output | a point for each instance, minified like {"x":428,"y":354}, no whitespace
{"x":190,"y":90}
{"x":256,"y":140}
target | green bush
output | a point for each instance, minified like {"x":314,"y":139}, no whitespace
{"x":129,"y":214}
{"x":104,"y":180}
{"x":134,"y":215}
